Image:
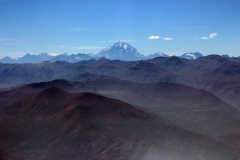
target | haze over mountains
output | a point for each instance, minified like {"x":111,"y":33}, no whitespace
{"x":58,"y":125}
{"x":118,"y":51}
{"x":214,"y":73}
{"x":122,"y":106}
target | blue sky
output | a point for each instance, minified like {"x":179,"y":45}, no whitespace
{"x":86,"y":26}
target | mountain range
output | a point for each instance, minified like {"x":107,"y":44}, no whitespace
{"x":118,"y":51}
{"x":57,"y":124}
{"x":171,"y":108}
{"x":215,"y":74}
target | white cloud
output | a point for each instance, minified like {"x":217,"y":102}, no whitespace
{"x":153,"y":37}
{"x":204,"y":38}
{"x":76,"y":29}
{"x":212,"y":35}
{"x":86,"y":47}
{"x":168,"y":39}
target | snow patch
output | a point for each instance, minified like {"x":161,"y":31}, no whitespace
{"x":14,"y":58}
{"x":191,"y":55}
{"x":53,"y":54}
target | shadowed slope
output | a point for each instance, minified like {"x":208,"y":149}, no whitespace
{"x":231,"y":138}
{"x":14,"y":95}
{"x":192,"y":109}
{"x":54,"y":124}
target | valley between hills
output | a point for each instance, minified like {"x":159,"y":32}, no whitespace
{"x":168,"y":108}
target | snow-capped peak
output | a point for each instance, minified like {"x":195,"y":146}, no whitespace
{"x":191,"y":55}
{"x":120,"y":44}
{"x":120,"y":50}
{"x":158,"y":54}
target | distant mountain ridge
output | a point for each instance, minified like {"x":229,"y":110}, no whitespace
{"x":118,"y":51}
